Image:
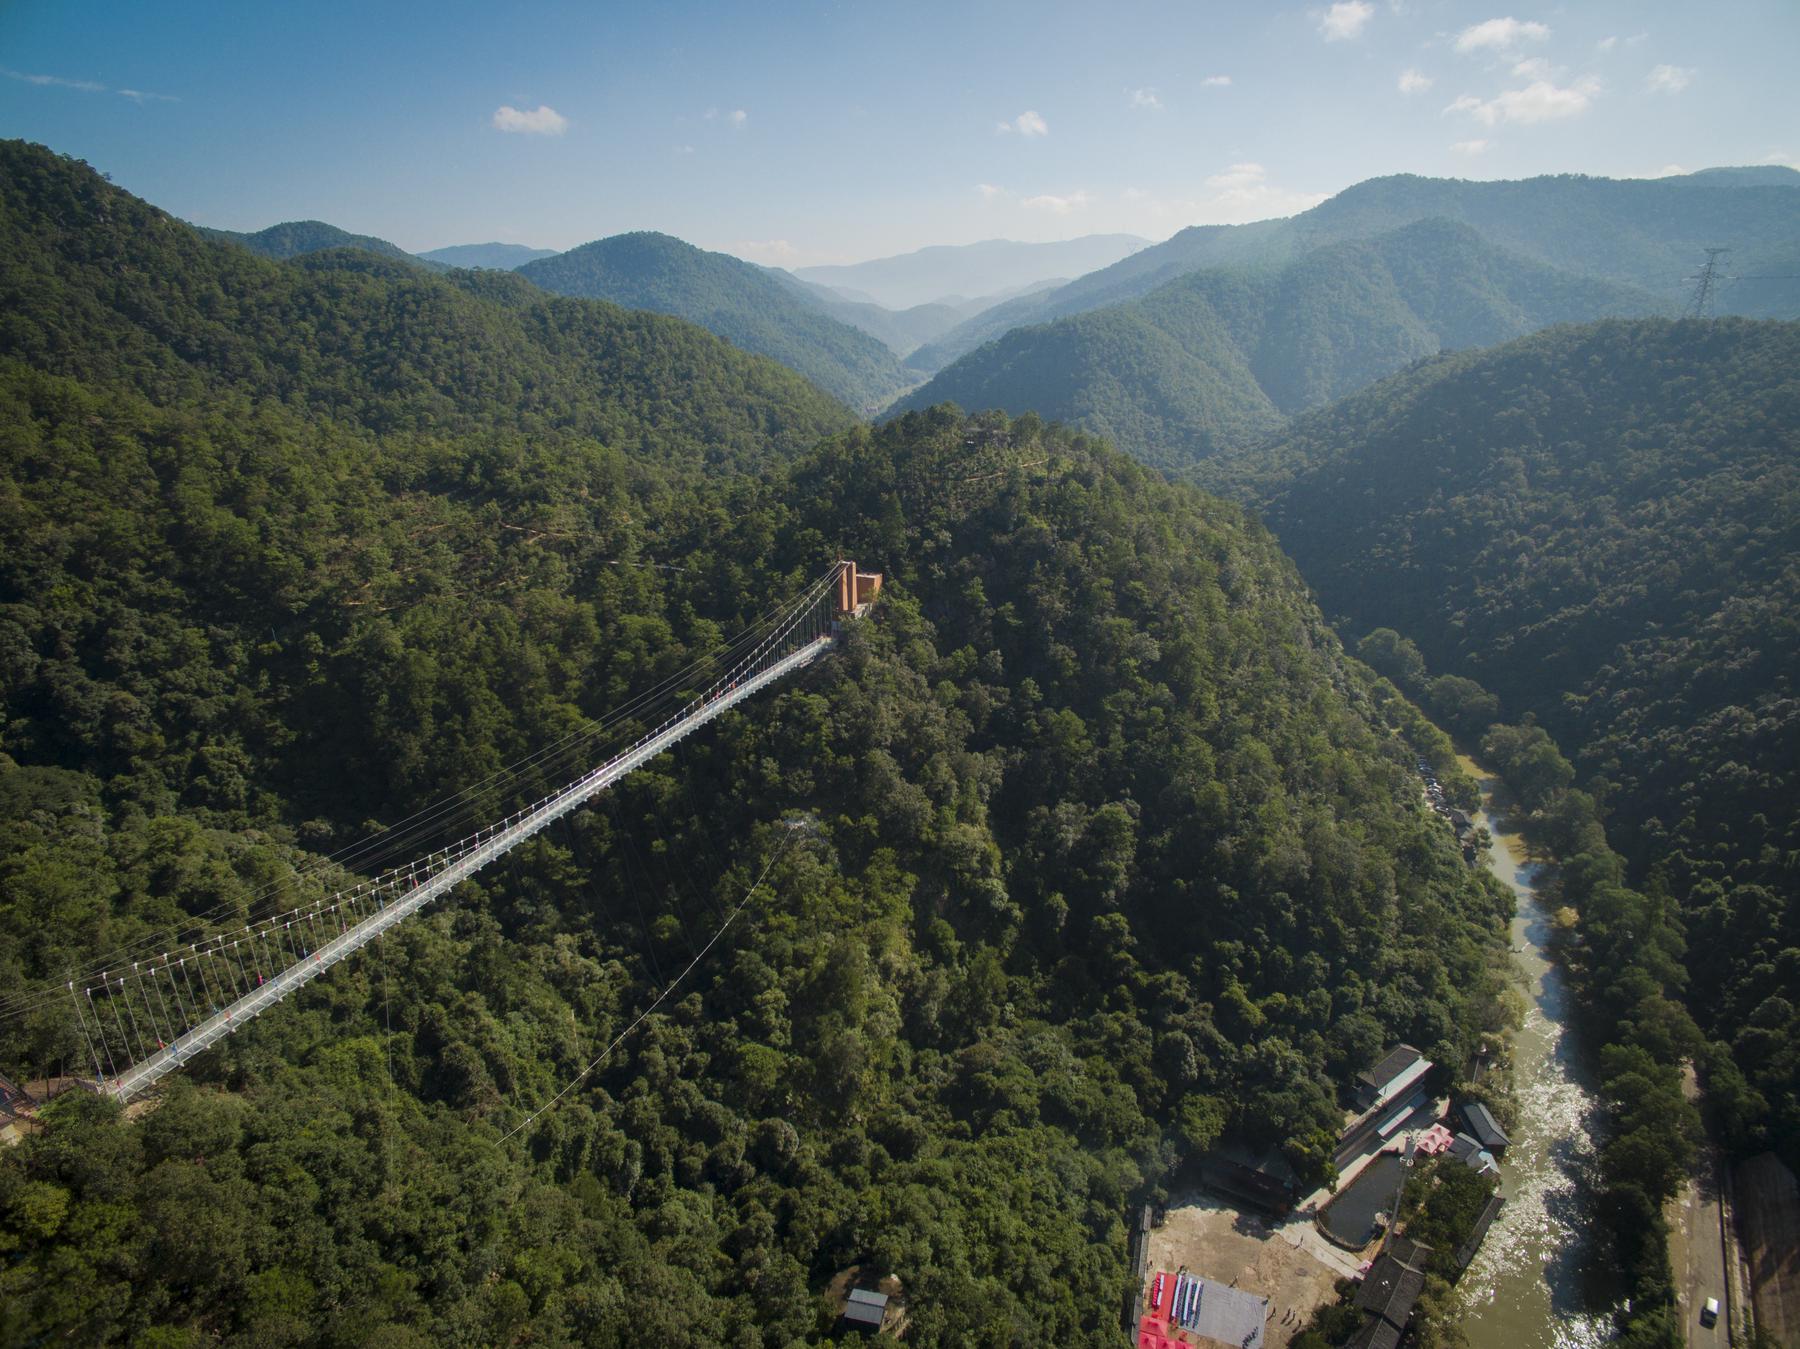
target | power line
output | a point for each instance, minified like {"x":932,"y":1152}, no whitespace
{"x":1704,"y":281}
{"x":793,"y":827}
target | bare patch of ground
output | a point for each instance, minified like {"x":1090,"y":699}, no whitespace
{"x":1232,"y":1246}
{"x":858,"y":1276}
{"x":1768,"y":1212}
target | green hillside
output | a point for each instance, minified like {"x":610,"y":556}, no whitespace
{"x":1601,"y":525}
{"x":1646,"y":234}
{"x":99,"y":286}
{"x":1219,"y":358}
{"x":1107,"y":849}
{"x":295,"y":238}
{"x":740,"y":302}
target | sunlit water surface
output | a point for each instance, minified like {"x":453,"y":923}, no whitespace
{"x":1535,"y":1282}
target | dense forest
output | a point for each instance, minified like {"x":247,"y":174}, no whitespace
{"x":295,"y":238}
{"x":1600,"y":526}
{"x":1219,"y":358}
{"x":753,"y":308}
{"x":1644,"y":234}
{"x":1089,"y":848}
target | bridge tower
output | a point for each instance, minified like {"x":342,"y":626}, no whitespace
{"x":856,"y":589}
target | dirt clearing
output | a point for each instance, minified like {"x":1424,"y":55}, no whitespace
{"x":1230,"y":1246}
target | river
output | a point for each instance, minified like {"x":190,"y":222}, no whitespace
{"x":1534,"y":1283}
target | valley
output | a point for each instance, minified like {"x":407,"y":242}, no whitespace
{"x":991,"y":679}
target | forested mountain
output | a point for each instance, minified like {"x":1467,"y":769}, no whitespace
{"x":294,"y":238}
{"x":1601,"y":525}
{"x":1105,"y":847}
{"x":99,"y":286}
{"x":931,"y":275}
{"x":1650,"y":234}
{"x":1219,"y":358}
{"x":740,"y":302}
{"x":502,"y":257}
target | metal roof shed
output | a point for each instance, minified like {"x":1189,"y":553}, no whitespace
{"x":865,"y":1310}
{"x":1484,"y":1127}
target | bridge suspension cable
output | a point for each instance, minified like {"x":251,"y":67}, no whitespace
{"x":150,"y":1011}
{"x":433,"y":822}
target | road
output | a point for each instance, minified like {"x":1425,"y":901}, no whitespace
{"x":1697,"y":1239}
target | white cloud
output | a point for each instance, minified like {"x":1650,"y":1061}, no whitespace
{"x":540,"y":121}
{"x":1783,"y":158}
{"x":774,"y":252}
{"x":1027,"y":123}
{"x":58,"y":81}
{"x":138,"y":96}
{"x":1468,"y":147}
{"x":1606,"y":44}
{"x":1539,"y":101}
{"x":1345,"y":19}
{"x":1414,"y":81}
{"x":1057,"y":205}
{"x":1145,"y":98}
{"x":1533,"y":68}
{"x":1238,"y":177}
{"x":738,"y":117}
{"x":684,"y":149}
{"x":1216,"y":82}
{"x":1500,"y":35}
{"x":989,"y":192}
{"x":1669,"y":79}
{"x":1669,"y":171}
{"x":1244,"y":192}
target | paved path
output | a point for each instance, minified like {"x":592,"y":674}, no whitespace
{"x":1697,"y":1238}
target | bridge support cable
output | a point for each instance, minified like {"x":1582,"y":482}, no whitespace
{"x":560,"y":758}
{"x":324,"y":932}
{"x":660,"y":998}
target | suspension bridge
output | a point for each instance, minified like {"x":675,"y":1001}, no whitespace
{"x":144,"y":1018}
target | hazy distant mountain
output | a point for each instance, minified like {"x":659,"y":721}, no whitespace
{"x":1748,"y":175}
{"x":1648,"y":233}
{"x":899,"y":330}
{"x":294,"y":238}
{"x":503,"y":257}
{"x":1219,"y":357}
{"x":996,"y":265}
{"x":902,"y":331}
{"x":739,"y":301}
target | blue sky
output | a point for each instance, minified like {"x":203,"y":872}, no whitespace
{"x":825,"y":132}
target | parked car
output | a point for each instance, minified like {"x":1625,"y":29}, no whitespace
{"x":1709,"y":1314}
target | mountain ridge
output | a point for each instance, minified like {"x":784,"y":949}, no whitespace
{"x":1649,"y":233}
{"x":930,"y":274}
{"x":1218,"y":358}
{"x":737,"y":300}
{"x":502,"y":257}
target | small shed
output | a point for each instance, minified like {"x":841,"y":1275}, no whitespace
{"x":865,"y":1310}
{"x":1472,"y":1155}
{"x":1484,"y":1127}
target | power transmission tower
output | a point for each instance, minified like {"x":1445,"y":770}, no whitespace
{"x":1704,"y":282}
